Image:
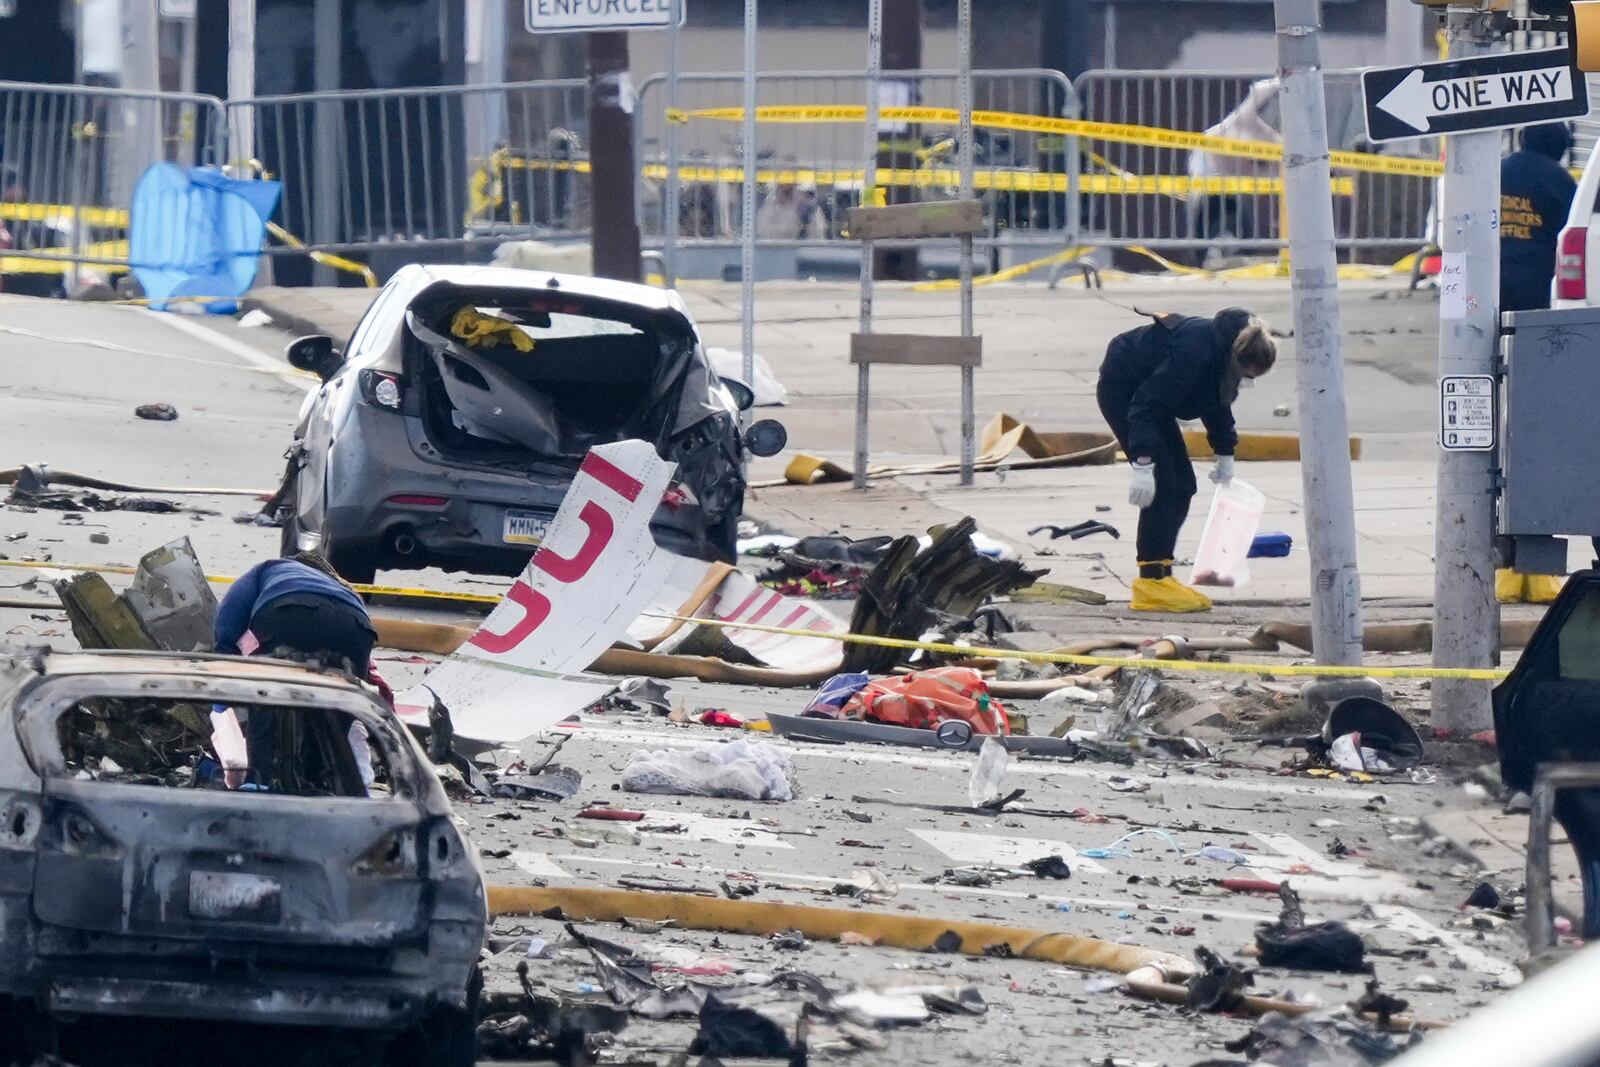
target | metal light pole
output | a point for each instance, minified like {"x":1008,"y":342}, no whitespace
{"x":1466,"y":617}
{"x":327,"y":76}
{"x":869,"y":178}
{"x":672,"y":205}
{"x":747,"y":257}
{"x":614,"y":226}
{"x":1319,"y":371}
{"x":968,"y":155}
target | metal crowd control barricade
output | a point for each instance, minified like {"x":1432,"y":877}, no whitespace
{"x":70,"y":156}
{"x":1151,"y":190}
{"x":394,"y":169}
{"x":810,"y":166}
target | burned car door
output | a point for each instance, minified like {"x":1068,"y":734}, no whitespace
{"x":19,"y":821}
{"x":1548,"y":711}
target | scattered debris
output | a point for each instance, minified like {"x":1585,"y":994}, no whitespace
{"x":1328,"y":946}
{"x":156,"y":412}
{"x":746,"y":770}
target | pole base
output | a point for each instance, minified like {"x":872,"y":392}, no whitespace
{"x":1320,"y":695}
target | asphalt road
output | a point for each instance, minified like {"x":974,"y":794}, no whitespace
{"x":74,"y":375}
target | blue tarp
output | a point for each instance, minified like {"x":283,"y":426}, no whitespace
{"x":194,"y":232}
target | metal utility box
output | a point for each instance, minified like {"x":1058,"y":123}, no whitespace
{"x":1550,"y":441}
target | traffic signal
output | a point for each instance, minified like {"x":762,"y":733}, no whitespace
{"x":1580,"y":21}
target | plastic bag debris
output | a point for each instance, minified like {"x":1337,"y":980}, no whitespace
{"x":888,"y":1008}
{"x":745,"y":770}
{"x":1118,"y":848}
{"x":1382,"y":740}
{"x":1077,"y":694}
{"x":730,"y":1027}
{"x":988,"y":774}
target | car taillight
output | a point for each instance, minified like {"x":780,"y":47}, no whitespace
{"x":393,"y":856}
{"x":382,"y":390}
{"x":1572,"y":264}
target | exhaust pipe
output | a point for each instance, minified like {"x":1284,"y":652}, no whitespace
{"x":404,"y":543}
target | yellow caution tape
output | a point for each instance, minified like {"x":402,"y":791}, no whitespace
{"x":94,"y":216}
{"x":349,"y":266}
{"x":107,"y":255}
{"x":228,"y":579}
{"x":1281,"y":670}
{"x":998,"y":179}
{"x":1151,"y":136}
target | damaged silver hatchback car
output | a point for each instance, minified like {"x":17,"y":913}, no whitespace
{"x":138,"y":880}
{"x":448,"y":429}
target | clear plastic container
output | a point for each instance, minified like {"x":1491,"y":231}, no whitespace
{"x":1231,"y":525}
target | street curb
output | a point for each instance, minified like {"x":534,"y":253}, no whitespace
{"x":292,"y":321}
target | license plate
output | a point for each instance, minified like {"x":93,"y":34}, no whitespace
{"x":239,"y":897}
{"x":525,"y":528}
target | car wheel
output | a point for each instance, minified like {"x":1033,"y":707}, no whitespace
{"x":447,"y":1038}
{"x":353,"y":565}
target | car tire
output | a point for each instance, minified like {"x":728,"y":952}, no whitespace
{"x":446,"y":1038}
{"x":354,"y":565}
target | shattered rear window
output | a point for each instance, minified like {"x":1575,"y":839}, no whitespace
{"x":261,"y":749}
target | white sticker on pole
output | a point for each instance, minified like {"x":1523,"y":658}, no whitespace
{"x":1453,"y":285}
{"x":521,"y":671}
{"x":581,"y":16}
{"x":1466,"y":413}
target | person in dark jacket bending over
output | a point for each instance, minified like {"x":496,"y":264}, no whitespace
{"x":301,"y":609}
{"x":1178,"y":367}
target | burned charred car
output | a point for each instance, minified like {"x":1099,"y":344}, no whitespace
{"x":448,"y":429}
{"x":136,"y":880}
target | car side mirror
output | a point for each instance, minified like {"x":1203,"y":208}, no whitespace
{"x":314,"y":353}
{"x":744,"y":397}
{"x":766,"y":437}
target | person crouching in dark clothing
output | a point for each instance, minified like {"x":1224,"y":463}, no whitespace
{"x":1178,"y":367}
{"x":296,"y":608}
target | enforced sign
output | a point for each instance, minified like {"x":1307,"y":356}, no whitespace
{"x":580,"y":16}
{"x":1466,"y":413}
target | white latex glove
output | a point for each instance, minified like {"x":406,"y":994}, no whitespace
{"x":1222,"y":470}
{"x":1142,"y":485}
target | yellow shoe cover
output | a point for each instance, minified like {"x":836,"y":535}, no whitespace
{"x":1167,"y":594}
{"x":1508,"y":586}
{"x":1543,"y":588}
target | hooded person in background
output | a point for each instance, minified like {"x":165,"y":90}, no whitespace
{"x":1535,"y":195}
{"x":1178,"y":367}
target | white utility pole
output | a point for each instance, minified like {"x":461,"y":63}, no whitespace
{"x":241,"y":86}
{"x":484,"y":112}
{"x":1404,"y":39}
{"x":869,"y":181}
{"x":1319,"y":370}
{"x":672,"y":199}
{"x":747,"y":258}
{"x":1466,"y":617}
{"x":138,"y":125}
{"x":326,"y":77}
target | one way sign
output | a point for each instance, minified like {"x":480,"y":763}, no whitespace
{"x":1480,"y":93}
